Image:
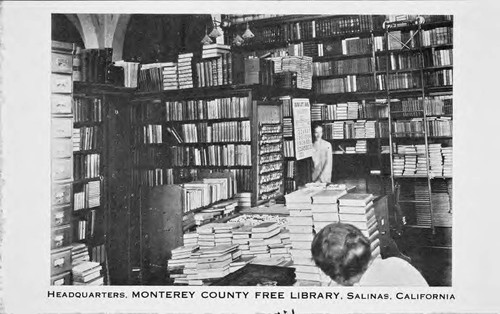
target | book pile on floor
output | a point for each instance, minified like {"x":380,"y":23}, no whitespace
{"x":185,"y":70}
{"x":357,"y":209}
{"x":170,"y":79}
{"x":88,"y":274}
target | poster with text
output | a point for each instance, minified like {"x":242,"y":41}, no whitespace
{"x":302,"y":128}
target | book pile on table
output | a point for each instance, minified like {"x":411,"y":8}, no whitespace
{"x":357,"y":209}
{"x":87,"y":274}
{"x":180,"y":257}
{"x":325,"y":208}
{"x":262,"y":235}
{"x":301,"y":231}
{"x":241,"y":237}
{"x":170,"y":79}
{"x":211,"y":263}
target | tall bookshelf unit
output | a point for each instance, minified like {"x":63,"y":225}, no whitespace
{"x":420,"y":119}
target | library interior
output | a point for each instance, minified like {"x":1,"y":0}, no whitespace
{"x":221,"y":149}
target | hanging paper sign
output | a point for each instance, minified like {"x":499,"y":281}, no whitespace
{"x":302,"y":128}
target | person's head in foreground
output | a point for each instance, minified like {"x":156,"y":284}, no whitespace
{"x":342,"y":252}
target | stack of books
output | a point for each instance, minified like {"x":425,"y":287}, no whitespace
{"x":316,"y":112}
{"x":357,"y":209}
{"x":447,"y":161}
{"x":76,"y":139}
{"x":185,"y":70}
{"x":170,"y":78}
{"x":214,"y":50}
{"x":215,"y":67}
{"x":342,"y":111}
{"x":385,"y":149}
{"x":210,"y":264}
{"x":361,"y":147}
{"x":88,"y":274}
{"x":422,"y":208}
{"x":223,"y":234}
{"x":79,"y":253}
{"x":301,"y":232}
{"x":325,"y":208}
{"x":244,"y":200}
{"x":302,"y":65}
{"x":206,"y":236}
{"x":287,"y":127}
{"x":190,"y":238}
{"x":410,"y":165}
{"x":359,"y":129}
{"x":180,"y":257}
{"x":240,"y":263}
{"x":398,"y":165}
{"x":435,"y":159}
{"x":338,"y":130}
{"x":262,"y":235}
{"x":241,"y":237}
{"x":352,"y":110}
{"x":93,"y":191}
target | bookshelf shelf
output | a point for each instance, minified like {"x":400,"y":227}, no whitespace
{"x":414,"y":49}
{"x":87,"y":151}
{"x":88,"y":89}
{"x":213,"y":167}
{"x":341,"y":57}
{"x":205,"y":120}
{"x":332,"y":76}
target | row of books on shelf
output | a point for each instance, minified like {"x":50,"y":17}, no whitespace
{"x":407,"y":60}
{"x":87,"y":225}
{"x":411,"y":160}
{"x":86,"y":166}
{"x":360,"y":147}
{"x":350,"y":110}
{"x":87,"y":196}
{"x":290,"y":170}
{"x":218,"y":108}
{"x":288,"y":148}
{"x":92,"y":65}
{"x":87,"y":109}
{"x":346,"y":47}
{"x":413,"y":107}
{"x":153,"y":177}
{"x":396,"y":81}
{"x":341,"y":67}
{"x":150,"y":134}
{"x":87,"y":138}
{"x":229,"y":131}
{"x":212,"y":155}
{"x":206,"y":191}
{"x":216,"y":71}
{"x":287,"y":127}
{"x":415,"y":127}
{"x":356,"y":129}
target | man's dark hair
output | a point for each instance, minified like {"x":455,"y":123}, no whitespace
{"x":342,"y":252}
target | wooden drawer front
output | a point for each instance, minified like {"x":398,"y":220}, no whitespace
{"x":62,"y":148}
{"x":61,"y":83}
{"x":62,"y":63}
{"x":62,"y":127}
{"x":61,"y":104}
{"x":60,"y":261}
{"x":60,"y":215}
{"x":63,"y":279}
{"x":62,"y":169}
{"x":61,"y":194}
{"x":61,"y":236}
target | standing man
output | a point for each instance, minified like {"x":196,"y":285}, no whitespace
{"x":321,"y":157}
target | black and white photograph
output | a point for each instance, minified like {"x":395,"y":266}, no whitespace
{"x":248,"y":157}
{"x":252,"y":149}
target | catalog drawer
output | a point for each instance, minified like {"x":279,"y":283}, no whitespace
{"x":62,"y":127}
{"x":62,"y":148}
{"x":61,"y":103}
{"x":61,"y":236}
{"x":62,"y":169}
{"x":61,"y":83}
{"x":63,"y":279}
{"x":60,"y":261}
{"x":62,"y":63}
{"x":60,"y":215}
{"x":61,"y":194}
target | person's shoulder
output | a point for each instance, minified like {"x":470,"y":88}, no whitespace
{"x":326,"y":144}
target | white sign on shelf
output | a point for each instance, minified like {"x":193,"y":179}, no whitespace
{"x":302,"y":128}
